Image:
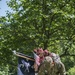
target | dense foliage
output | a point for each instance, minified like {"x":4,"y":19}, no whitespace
{"x":49,"y":24}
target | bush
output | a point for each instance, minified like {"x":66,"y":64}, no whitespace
{"x":71,"y":71}
{"x":4,"y":70}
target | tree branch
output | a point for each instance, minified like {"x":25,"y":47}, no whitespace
{"x":63,"y":55}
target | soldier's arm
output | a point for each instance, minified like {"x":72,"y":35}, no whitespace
{"x":62,"y":69}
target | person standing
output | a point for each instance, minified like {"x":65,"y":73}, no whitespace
{"x":50,"y":63}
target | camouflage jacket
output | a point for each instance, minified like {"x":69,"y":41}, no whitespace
{"x":50,"y":68}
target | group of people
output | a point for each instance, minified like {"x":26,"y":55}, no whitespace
{"x":48,"y":63}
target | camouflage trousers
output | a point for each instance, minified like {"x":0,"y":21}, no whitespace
{"x":50,"y":68}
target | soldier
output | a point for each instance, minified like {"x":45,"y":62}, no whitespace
{"x":46,"y":66}
{"x":52,"y":65}
{"x":38,"y":60}
{"x":42,"y":59}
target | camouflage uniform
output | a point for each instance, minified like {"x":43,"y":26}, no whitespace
{"x":59,"y":69}
{"x":48,"y":68}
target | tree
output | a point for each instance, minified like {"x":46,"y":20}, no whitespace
{"x":71,"y":71}
{"x":47,"y":23}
